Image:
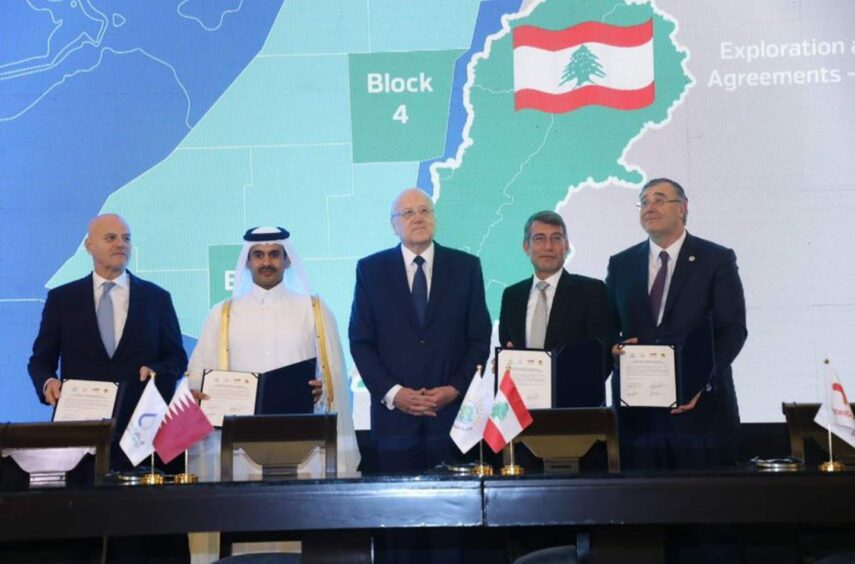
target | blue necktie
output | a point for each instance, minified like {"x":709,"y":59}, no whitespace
{"x":420,"y":295}
{"x":105,"y":318}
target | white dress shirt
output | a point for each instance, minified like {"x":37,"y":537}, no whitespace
{"x":410,"y":267}
{"x":533,"y":295}
{"x":653,"y":264}
{"x":121,"y":296}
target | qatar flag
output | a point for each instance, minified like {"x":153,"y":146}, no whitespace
{"x":185,"y":424}
{"x":592,"y":63}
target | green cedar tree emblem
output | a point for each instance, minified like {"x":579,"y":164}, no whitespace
{"x":466,"y":414}
{"x":500,"y":411}
{"x":582,"y":66}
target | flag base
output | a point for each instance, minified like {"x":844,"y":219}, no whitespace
{"x":185,"y":478}
{"x":482,"y":470}
{"x":512,"y":470}
{"x":832,"y":466}
{"x":152,"y":479}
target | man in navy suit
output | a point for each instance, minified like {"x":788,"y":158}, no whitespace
{"x":418,"y":329}
{"x":575,"y":308}
{"x":138,"y":336}
{"x":665,"y":288}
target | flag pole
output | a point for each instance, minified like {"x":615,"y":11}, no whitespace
{"x":152,"y":479}
{"x":481,"y":470}
{"x":831,"y":465}
{"x":512,"y":469}
{"x":186,"y":477}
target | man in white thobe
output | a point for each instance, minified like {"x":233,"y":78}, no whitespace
{"x":271,"y":325}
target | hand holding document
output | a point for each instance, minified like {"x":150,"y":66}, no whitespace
{"x":229,"y":393}
{"x":86,"y":400}
{"x":532,"y":370}
{"x":648,"y":376}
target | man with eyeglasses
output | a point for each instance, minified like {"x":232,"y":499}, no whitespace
{"x":553,"y":308}
{"x":664,"y":288}
{"x":418,"y":329}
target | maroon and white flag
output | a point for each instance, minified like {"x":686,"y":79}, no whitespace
{"x":592,"y":63}
{"x":835,"y":413}
{"x":185,"y":424}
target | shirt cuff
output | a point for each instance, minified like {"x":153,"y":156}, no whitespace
{"x":389,"y":398}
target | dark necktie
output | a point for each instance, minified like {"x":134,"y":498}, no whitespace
{"x":658,"y":289}
{"x":420,"y":295}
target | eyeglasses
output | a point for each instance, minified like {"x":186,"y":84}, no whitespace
{"x":410,"y":213}
{"x":655,"y":202}
{"x":541,"y":239}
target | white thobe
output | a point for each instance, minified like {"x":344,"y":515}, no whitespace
{"x":269,"y":329}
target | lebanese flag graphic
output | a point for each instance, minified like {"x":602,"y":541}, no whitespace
{"x":508,"y":417}
{"x":185,"y":424}
{"x":592,"y":63}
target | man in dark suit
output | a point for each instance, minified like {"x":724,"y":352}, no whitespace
{"x":418,"y":329}
{"x":573,"y":308}
{"x":115,"y":327}
{"x":109,"y":326}
{"x":664,"y":289}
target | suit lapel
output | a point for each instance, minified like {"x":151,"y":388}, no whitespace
{"x":134,"y":306}
{"x":400,"y":288}
{"x":88,"y":318}
{"x":560,"y":311}
{"x":517,"y":316}
{"x":685,"y":264}
{"x":640,"y":270}
{"x":439,"y":279}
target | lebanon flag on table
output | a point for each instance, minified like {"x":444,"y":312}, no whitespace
{"x":835,"y":413}
{"x":508,"y":417}
{"x":185,"y":423}
{"x":591,"y":63}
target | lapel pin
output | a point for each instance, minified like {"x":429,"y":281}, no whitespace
{"x":692,"y":258}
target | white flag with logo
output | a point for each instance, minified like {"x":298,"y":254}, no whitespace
{"x":835,"y":413}
{"x":138,"y":438}
{"x":468,"y":427}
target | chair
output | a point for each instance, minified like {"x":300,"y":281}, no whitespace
{"x":279,"y":443}
{"x":808,"y":440}
{"x":561,"y":437}
{"x":63,"y":434}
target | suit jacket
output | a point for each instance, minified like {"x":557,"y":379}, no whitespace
{"x":390,"y":347}
{"x":69,"y":339}
{"x":705,"y":284}
{"x":581,"y":310}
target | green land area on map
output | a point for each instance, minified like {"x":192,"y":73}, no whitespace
{"x":522,"y":162}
